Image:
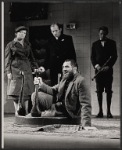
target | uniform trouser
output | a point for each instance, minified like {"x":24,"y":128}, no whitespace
{"x":104,"y":82}
{"x":100,"y":99}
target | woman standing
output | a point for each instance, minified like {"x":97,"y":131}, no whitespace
{"x":19,"y":58}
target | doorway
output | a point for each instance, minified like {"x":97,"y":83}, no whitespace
{"x":38,"y":37}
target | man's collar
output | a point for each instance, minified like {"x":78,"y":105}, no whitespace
{"x":75,"y":76}
{"x":103,"y":40}
{"x":61,"y":37}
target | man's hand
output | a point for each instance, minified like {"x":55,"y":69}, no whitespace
{"x":97,"y":67}
{"x":9,"y":75}
{"x":41,"y":69}
{"x":38,"y":80}
{"x":89,"y":128}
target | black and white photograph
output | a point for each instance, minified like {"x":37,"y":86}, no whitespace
{"x":61,"y":74}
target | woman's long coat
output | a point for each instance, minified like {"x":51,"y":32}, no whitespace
{"x":19,"y":58}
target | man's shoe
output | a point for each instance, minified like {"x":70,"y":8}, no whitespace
{"x":35,"y":114}
{"x":100,"y":115}
{"x":21,"y":111}
{"x":109,"y":115}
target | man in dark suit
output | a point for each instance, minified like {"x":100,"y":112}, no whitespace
{"x":70,"y":98}
{"x":60,"y":48}
{"x":102,"y":50}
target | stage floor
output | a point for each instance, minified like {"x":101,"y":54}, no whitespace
{"x":107,"y":135}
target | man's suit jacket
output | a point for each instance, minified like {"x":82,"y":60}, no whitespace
{"x":100,"y":55}
{"x":60,"y":50}
{"x":77,"y":98}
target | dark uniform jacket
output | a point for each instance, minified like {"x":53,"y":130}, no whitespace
{"x":19,"y":58}
{"x":100,"y":55}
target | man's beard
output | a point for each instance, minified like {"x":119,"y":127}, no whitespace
{"x":68,"y":76}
